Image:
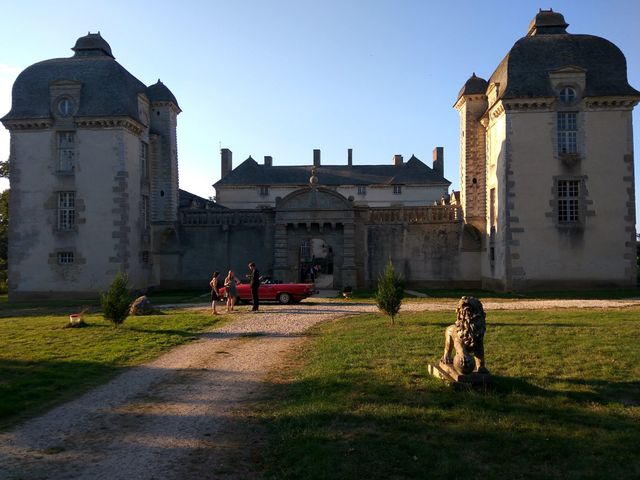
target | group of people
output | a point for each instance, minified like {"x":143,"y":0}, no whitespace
{"x":230,"y":284}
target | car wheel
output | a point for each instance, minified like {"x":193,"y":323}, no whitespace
{"x":284,"y":298}
{"x":239,"y":300}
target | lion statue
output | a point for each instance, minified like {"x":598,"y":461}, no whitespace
{"x":466,"y":336}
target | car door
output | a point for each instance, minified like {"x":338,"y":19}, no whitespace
{"x":266,"y":291}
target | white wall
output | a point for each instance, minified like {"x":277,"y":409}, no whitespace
{"x":376,"y":196}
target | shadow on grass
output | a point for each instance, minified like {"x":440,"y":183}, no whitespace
{"x":591,"y":390}
{"x":28,"y":388}
{"x":381,"y":431}
{"x":179,"y":333}
{"x":50,"y":309}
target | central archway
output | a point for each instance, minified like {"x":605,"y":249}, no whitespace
{"x":316,"y":263}
{"x":314,"y":228}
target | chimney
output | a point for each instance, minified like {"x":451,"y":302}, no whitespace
{"x":438,"y":160}
{"x":226,"y":163}
{"x":268,"y":161}
{"x":350,"y":157}
{"x":397,"y":160}
{"x":316,"y":157}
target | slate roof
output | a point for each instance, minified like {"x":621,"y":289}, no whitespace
{"x":524,"y":71}
{"x":473,"y":86}
{"x":413,"y":172}
{"x":186,"y":200}
{"x":158,"y":92}
{"x":108,"y":89}
{"x":91,"y":42}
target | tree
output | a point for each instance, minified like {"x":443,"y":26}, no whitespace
{"x":4,"y":169}
{"x":390,"y":292}
{"x":115,"y":303}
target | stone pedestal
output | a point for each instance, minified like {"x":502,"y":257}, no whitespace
{"x":449,"y":374}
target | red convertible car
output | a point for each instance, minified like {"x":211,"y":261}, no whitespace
{"x":283,"y":293}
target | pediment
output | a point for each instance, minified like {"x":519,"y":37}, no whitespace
{"x":314,"y":199}
{"x":569,"y":69}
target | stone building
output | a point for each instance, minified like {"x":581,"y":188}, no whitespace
{"x":93,"y":164}
{"x":547,"y":162}
{"x":546,"y":198}
{"x":399,"y":183}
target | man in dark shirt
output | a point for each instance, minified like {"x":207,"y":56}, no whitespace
{"x":254,"y":277}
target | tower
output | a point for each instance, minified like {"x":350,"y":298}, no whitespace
{"x":559,"y":186}
{"x":80,"y":179}
{"x":471,"y":106}
{"x":164,"y":154}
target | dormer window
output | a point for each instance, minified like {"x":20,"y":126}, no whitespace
{"x":567,"y":95}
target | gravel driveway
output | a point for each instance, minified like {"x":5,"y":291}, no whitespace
{"x":170,"y":418}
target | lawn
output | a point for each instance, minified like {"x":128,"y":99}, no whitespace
{"x":357,"y":401}
{"x":42,"y":363}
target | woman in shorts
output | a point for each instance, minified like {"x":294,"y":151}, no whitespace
{"x":230,"y":290}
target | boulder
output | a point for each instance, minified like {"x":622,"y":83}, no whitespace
{"x":141,"y":306}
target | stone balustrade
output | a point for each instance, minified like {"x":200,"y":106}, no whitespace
{"x":383,"y":215}
{"x":203,"y":217}
{"x":416,"y":215}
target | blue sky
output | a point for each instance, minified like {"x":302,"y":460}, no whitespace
{"x":283,"y":77}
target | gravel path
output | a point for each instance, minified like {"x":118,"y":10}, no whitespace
{"x":173,"y":417}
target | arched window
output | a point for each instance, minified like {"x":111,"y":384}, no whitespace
{"x":567,"y":95}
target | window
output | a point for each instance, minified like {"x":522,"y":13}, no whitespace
{"x":567,"y":95}
{"x":397,"y":189}
{"x":66,"y":151}
{"x":66,"y":210}
{"x":567,"y":132}
{"x":362,"y":189}
{"x":568,"y":201}
{"x":144,"y":211}
{"x":65,"y":107}
{"x":65,"y":258}
{"x":264,"y":191}
{"x":144,"y":257}
{"x":144,"y":160}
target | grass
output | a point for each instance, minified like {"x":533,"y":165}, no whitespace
{"x":609,"y":294}
{"x":357,"y":401}
{"x":43,"y":364}
{"x":178,"y":296}
{"x":37,"y":307}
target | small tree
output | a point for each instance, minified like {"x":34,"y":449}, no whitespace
{"x":390,"y":292}
{"x":115,"y":303}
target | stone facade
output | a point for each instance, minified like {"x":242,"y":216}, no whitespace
{"x":430,"y":245}
{"x":93,"y":168}
{"x":557,"y":145}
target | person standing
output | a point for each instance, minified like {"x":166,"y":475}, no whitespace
{"x":215,"y":295}
{"x":231,"y":290}
{"x":254,"y":278}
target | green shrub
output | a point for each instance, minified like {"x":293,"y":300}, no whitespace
{"x":115,"y":303}
{"x":390,"y":292}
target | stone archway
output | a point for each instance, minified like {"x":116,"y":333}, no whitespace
{"x":315,"y":213}
{"x":316,"y":262}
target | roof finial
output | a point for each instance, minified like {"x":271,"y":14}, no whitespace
{"x":313,"y":180}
